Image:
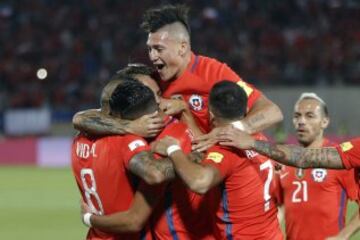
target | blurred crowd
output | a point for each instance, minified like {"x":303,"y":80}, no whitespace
{"x":81,"y":43}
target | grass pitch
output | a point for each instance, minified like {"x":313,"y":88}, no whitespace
{"x":38,"y":203}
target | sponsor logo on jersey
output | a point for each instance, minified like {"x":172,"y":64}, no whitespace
{"x":346,"y":146}
{"x":196,"y":102}
{"x":319,"y":174}
{"x":135,"y":144}
{"x":215,"y":157}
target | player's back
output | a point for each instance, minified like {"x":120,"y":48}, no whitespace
{"x":100,"y":168}
{"x":245,"y":207}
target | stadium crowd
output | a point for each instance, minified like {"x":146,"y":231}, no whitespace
{"x":80,"y":43}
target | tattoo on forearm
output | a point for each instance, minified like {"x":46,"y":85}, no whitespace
{"x":144,"y":163}
{"x":196,"y":156}
{"x":104,"y":125}
{"x":300,"y":157}
{"x":254,"y":120}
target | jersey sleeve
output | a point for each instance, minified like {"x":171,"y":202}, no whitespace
{"x":220,"y":159}
{"x":133,"y":145}
{"x":277,"y":191}
{"x":253,"y":94}
{"x":350,"y":153}
{"x":348,"y":182}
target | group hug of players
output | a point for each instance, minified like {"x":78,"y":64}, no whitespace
{"x":176,"y":152}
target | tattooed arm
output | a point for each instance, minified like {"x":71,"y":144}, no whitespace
{"x":327,"y":157}
{"x":151,"y":170}
{"x":296,"y":156}
{"x":262,"y":115}
{"x":154,"y":171}
{"x":96,"y":122}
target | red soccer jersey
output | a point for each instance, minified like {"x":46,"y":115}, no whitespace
{"x":245,"y":206}
{"x":181,"y":214}
{"x":100,"y":167}
{"x":350,"y":153}
{"x":196,"y":82}
{"x":319,"y":193}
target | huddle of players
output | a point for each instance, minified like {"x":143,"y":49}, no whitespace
{"x":131,"y":193}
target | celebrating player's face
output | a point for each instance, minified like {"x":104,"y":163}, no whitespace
{"x":150,"y":83}
{"x":164,"y":54}
{"x":309,"y":121}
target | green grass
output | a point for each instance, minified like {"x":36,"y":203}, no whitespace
{"x":38,"y":203}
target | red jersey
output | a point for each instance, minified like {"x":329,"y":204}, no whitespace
{"x":195,"y":83}
{"x":319,"y":193}
{"x":181,"y":214}
{"x":350,"y":153}
{"x":245,"y":206}
{"x":100,"y":167}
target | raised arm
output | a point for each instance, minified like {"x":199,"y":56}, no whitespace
{"x":198,"y":178}
{"x":262,"y":115}
{"x":96,"y":122}
{"x":296,"y":156}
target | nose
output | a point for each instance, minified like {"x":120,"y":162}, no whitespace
{"x":153,"y":55}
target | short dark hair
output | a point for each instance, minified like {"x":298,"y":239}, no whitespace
{"x":134,"y":69}
{"x":156,"y":18}
{"x":228,"y":100}
{"x":132,"y":99}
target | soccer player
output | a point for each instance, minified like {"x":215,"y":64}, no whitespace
{"x":319,"y":193}
{"x":192,"y":76}
{"x":105,"y":167}
{"x":99,"y":122}
{"x":239,"y":189}
{"x":186,"y":77}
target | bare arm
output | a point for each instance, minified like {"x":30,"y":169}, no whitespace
{"x":299,"y":156}
{"x":262,"y":115}
{"x":151,"y":170}
{"x":132,"y":220}
{"x":96,"y":122}
{"x":296,"y":156}
{"x":197,"y":177}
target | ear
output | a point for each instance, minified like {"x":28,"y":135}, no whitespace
{"x":183,"y":48}
{"x":325,"y":122}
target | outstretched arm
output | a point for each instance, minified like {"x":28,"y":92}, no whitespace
{"x":289,"y":155}
{"x":96,"y":122}
{"x":261,"y":116}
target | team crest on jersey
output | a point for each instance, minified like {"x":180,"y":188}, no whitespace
{"x":196,"y":102}
{"x":319,"y":174}
{"x":135,"y":144}
{"x":346,"y":146}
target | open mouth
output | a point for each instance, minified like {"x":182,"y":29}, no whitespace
{"x":159,"y":67}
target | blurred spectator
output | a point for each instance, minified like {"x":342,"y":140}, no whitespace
{"x":80,"y":43}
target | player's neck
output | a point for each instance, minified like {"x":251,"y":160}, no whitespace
{"x":317,"y":143}
{"x":187,"y":60}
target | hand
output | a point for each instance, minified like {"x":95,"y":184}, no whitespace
{"x":147,"y":126}
{"x":84,"y":208}
{"x":230,"y":136}
{"x":203,"y":142}
{"x":172,"y":106}
{"x":160,"y":146}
